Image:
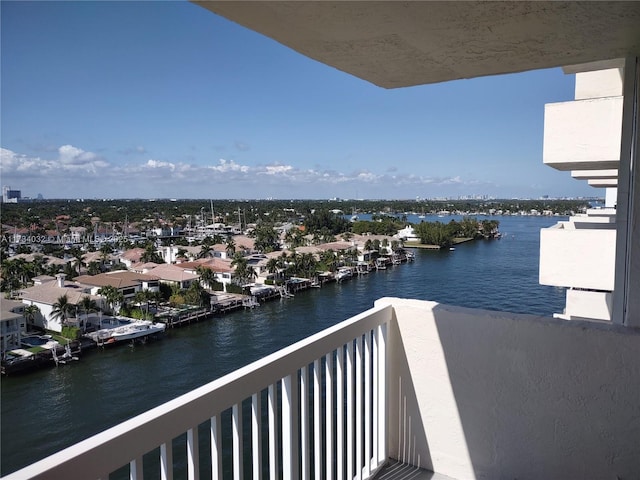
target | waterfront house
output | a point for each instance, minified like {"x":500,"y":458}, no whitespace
{"x":222,"y":269}
{"x":44,"y":295}
{"x":463,"y":392}
{"x":13,"y":325}
{"x":126,"y":282}
{"x":173,"y":275}
{"x":407,"y":234}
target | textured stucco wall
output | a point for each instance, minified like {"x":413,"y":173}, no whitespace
{"x":480,"y":394}
{"x":583,"y":134}
{"x":581,"y":258}
{"x":599,"y":83}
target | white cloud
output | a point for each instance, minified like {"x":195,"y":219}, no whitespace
{"x":277,"y":169}
{"x":229,"y":166}
{"x":70,"y":155}
{"x":87,"y":171}
{"x":159,"y":164}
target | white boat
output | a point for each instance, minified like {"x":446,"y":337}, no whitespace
{"x":343,"y":273}
{"x":136,"y":330}
{"x":130,"y":330}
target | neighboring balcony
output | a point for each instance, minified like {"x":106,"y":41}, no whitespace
{"x":587,"y":304}
{"x":463,"y":392}
{"x":579,"y":254}
{"x":583,"y":134}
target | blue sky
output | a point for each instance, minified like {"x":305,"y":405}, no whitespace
{"x":167,"y":100}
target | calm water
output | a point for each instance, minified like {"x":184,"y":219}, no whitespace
{"x":50,"y":409}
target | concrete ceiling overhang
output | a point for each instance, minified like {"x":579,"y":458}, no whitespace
{"x":397,"y":44}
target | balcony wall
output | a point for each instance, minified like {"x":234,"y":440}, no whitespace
{"x":588,"y":304}
{"x":580,"y":257}
{"x":482,"y":394}
{"x":583,"y":134}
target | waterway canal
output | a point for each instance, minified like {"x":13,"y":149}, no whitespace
{"x":47,"y":410}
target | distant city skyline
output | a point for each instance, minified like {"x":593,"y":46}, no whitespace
{"x":166,"y":100}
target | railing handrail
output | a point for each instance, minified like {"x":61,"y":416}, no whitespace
{"x":103,"y":453}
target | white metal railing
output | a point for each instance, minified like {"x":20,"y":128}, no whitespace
{"x":325,"y":416}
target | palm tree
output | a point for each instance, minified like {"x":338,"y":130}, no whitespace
{"x":105,"y":251}
{"x":368,"y":245}
{"x":39,"y":265}
{"x":93,"y":268}
{"x":328,"y":258}
{"x":207,"y":276}
{"x":385,"y":245}
{"x":251,"y":273}
{"x":205,"y":251}
{"x":240,"y":263}
{"x":272,"y":265}
{"x":231,"y":247}
{"x":144,"y":297}
{"x":30,"y":313}
{"x":62,"y":309}
{"x":112,"y":295}
{"x":76,"y":253}
{"x":88,"y":305}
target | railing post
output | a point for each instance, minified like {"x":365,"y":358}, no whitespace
{"x":193,"y":470}
{"x":236,"y":424}
{"x":166,"y":461}
{"x":304,"y":419}
{"x":289,"y":472}
{"x":375,"y":387}
{"x":350,"y":407}
{"x":382,"y":393}
{"x":317,"y":432}
{"x":359,"y":407}
{"x":135,"y":469}
{"x":328,"y":375}
{"x":340,"y":413}
{"x":273,"y":447}
{"x":216,"y":448}
{"x":367,"y":403}
{"x":256,"y":436}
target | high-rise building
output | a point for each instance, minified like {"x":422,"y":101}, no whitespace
{"x":11,"y":196}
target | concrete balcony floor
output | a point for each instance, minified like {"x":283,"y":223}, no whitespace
{"x":403,"y":471}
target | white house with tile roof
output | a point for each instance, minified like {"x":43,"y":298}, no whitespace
{"x":173,"y":275}
{"x":46,"y":294}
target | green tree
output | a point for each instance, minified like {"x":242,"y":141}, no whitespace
{"x":93,"y":268}
{"x":150,"y":254}
{"x":62,"y":309}
{"x":266,"y":238}
{"x":230,"y":247}
{"x":112,"y":296}
{"x":207,"y":276}
{"x":87,"y":305}
{"x":30,"y":313}
{"x":241,"y":265}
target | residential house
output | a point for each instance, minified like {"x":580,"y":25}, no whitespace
{"x":128,"y":283}
{"x":173,"y":275}
{"x":13,"y":325}
{"x":131,"y":256}
{"x":222,"y":269}
{"x":45,"y":294}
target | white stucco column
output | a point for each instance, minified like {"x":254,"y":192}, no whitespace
{"x":626,"y":300}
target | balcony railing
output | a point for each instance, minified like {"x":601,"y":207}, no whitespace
{"x":324,"y":417}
